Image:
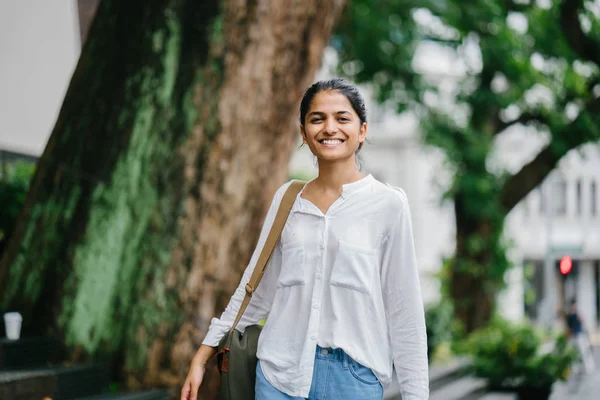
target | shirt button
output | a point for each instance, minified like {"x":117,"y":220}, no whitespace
{"x":322,"y":246}
{"x":318,"y":276}
{"x":313,"y":338}
{"x":316,"y":306}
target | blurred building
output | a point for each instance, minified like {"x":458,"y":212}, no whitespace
{"x":561,"y":219}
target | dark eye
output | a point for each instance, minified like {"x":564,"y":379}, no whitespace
{"x":317,"y":119}
{"x":344,"y":119}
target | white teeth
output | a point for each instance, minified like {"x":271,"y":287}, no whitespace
{"x":331,"y":142}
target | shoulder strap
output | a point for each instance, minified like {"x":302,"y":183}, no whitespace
{"x":261,"y":265}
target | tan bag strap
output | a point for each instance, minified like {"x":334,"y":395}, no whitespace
{"x":261,"y":265}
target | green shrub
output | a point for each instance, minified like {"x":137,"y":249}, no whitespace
{"x":511,"y":355}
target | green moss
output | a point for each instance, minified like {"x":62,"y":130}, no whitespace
{"x":190,"y":112}
{"x":119,"y":212}
{"x":171,"y":59}
{"x":158,"y":40}
{"x":108,"y":258}
{"x":216,"y":30}
{"x":47,"y":218}
{"x":115,"y":257}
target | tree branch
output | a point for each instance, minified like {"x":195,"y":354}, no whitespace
{"x":512,"y":6}
{"x":578,"y":132}
{"x":524,"y":119}
{"x":582,"y":45}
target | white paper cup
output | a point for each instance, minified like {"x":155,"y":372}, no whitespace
{"x":12,"y":325}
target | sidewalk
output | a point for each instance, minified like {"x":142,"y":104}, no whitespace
{"x":585,"y":387}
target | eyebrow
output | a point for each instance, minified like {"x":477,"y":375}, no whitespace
{"x":322,"y":113}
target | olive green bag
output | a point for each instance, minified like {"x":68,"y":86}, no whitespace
{"x":236,"y":355}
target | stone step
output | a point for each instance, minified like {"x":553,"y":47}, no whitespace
{"x":465,"y":388}
{"x":440,"y":378}
{"x":56,"y":382}
{"x":157,"y":394}
{"x":499,"y":396}
{"x":26,"y":385}
{"x":443,"y":375}
{"x":30,"y":352}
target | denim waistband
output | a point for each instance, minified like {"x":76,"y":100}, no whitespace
{"x":328,"y":353}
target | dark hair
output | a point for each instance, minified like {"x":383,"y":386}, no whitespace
{"x":338,"y":84}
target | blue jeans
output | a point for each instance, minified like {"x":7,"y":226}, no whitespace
{"x":336,"y":376}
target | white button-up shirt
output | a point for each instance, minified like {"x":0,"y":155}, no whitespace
{"x":345,"y":279}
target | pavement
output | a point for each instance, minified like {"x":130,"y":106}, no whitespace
{"x":580,"y":386}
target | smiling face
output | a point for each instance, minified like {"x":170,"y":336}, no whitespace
{"x":332,"y":128}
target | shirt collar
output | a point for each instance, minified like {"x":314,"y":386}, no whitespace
{"x":347,"y":190}
{"x":351,"y":188}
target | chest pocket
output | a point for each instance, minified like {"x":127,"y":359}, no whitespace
{"x":354,"y":267}
{"x":292,"y":266}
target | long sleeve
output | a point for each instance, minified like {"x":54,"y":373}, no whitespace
{"x":262,"y":298}
{"x":404,"y":306}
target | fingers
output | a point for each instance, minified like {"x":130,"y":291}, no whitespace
{"x":189,"y":391}
{"x":195,"y":385}
{"x":185,"y":390}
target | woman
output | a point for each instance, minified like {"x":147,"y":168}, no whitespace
{"x":342,"y":291}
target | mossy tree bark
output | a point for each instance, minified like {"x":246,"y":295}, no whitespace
{"x":175,"y":132}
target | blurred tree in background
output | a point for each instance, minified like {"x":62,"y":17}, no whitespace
{"x":522,"y":63}
{"x":175,"y":131}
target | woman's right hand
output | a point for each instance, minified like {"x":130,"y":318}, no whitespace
{"x":189,"y":391}
{"x":193,"y":381}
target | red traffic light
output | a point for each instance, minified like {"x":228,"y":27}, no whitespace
{"x":566,"y":265}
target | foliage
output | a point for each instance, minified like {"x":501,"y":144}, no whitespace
{"x":529,"y":290}
{"x":300,"y":175}
{"x":510,"y":65}
{"x":14,"y":183}
{"x":511,"y":355}
{"x":439,"y":323}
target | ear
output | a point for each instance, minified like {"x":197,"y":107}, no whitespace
{"x":303,"y":134}
{"x":362,"y":135}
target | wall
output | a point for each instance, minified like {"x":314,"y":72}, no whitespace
{"x":39,"y":44}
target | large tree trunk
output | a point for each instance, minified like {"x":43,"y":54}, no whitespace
{"x":175,"y":132}
{"x":476,"y":273}
{"x":472,"y":293}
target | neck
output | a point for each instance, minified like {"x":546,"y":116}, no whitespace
{"x":332,"y":175}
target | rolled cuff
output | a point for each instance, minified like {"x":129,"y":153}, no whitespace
{"x":217,"y":330}
{"x":416,"y":389}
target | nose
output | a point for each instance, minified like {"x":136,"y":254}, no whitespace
{"x":331,"y":126}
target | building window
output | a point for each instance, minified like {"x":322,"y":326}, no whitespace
{"x":553,"y":197}
{"x":593,"y":199}
{"x":578,"y":206}
{"x":559,"y":197}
